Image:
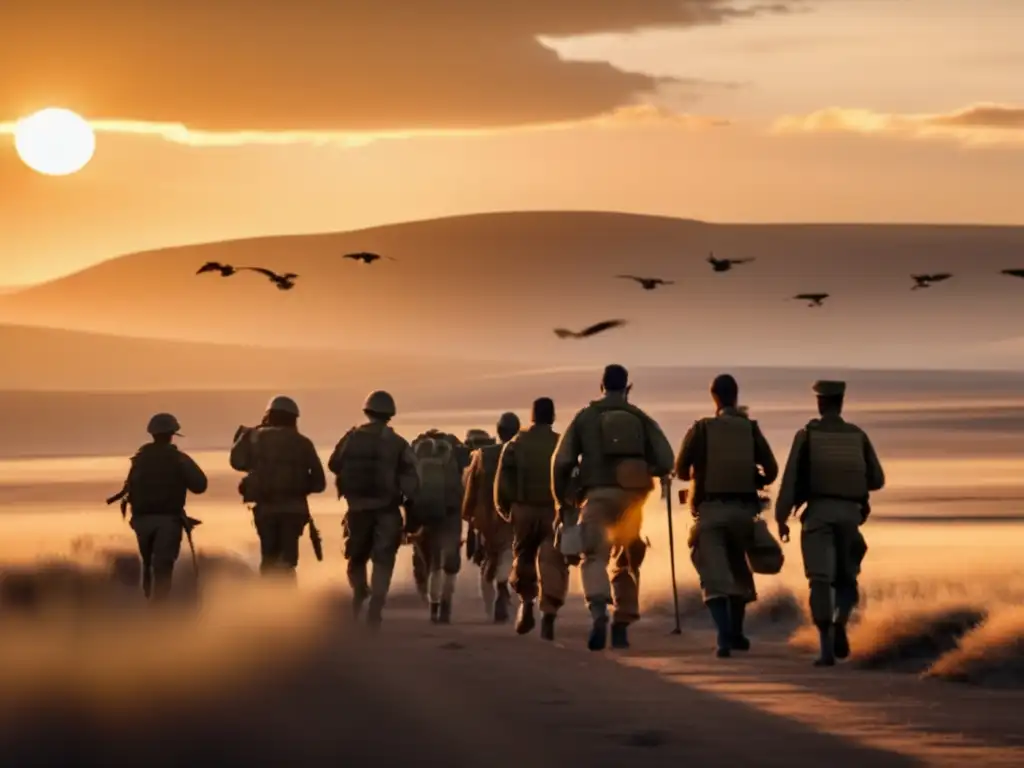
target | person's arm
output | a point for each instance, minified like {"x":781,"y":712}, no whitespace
{"x":408,"y":475}
{"x":659,"y":450}
{"x":317,"y":478}
{"x":876,"y":475}
{"x":764,"y":457}
{"x":337,"y":455}
{"x":786,"y":501}
{"x":195,"y":478}
{"x":564,"y":460}
{"x":241,"y":452}
{"x":473,"y":475}
{"x":505,"y":481}
{"x":687,"y":453}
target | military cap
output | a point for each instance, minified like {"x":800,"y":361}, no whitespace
{"x":163,"y":424}
{"x":284,"y":404}
{"x":829,"y":388}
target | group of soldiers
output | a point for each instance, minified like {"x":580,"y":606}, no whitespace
{"x":537,"y":503}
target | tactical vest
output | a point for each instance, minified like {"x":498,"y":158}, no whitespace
{"x":837,"y":467}
{"x":156,"y":483}
{"x":729,"y":466}
{"x":279,"y":467}
{"x":615,"y":448}
{"x":534,"y":449}
{"x":369,"y":465}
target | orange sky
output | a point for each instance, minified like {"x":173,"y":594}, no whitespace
{"x":302,"y":119}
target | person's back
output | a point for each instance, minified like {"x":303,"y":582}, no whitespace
{"x":157,"y":484}
{"x":436,"y":514}
{"x":282,"y":467}
{"x":368,"y":466}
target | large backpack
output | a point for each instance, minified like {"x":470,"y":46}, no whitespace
{"x":440,"y":487}
{"x":624,"y":447}
{"x":156,"y":482}
{"x":366,"y":472}
{"x":280,"y":468}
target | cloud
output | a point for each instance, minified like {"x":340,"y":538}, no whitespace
{"x":312,"y":65}
{"x":979,"y":124}
{"x":639,"y":115}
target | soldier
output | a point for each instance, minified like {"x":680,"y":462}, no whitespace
{"x":619,"y":449}
{"x":478,"y":438}
{"x":727,"y":461}
{"x":832,"y":468}
{"x":523,"y":496}
{"x":375,"y":473}
{"x":494,"y":533}
{"x":282,"y":469}
{"x":436,"y":523}
{"x":160,"y":478}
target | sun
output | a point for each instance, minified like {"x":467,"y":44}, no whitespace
{"x":54,"y":141}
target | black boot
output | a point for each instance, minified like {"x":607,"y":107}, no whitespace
{"x":501,"y":603}
{"x":547,"y":626}
{"x":840,"y":642}
{"x":737,"y":612}
{"x":525,"y":621}
{"x":620,"y":635}
{"x":827,"y":658}
{"x":598,"y":634}
{"x":358,"y":599}
{"x":435,"y":613}
{"x":444,"y":615}
{"x":718,"y":607}
{"x":147,"y":581}
{"x":374,"y":614}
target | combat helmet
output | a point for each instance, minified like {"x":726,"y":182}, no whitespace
{"x":284,"y":404}
{"x":380,"y":403}
{"x":163,"y":424}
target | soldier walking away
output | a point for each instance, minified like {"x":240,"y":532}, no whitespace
{"x":475,"y":439}
{"x":727,"y":461}
{"x":619,"y":450}
{"x":158,"y":483}
{"x":436,"y":524}
{"x":494,"y":534}
{"x":375,"y":472}
{"x":523,"y":496}
{"x":282,"y":469}
{"x":832,"y":469}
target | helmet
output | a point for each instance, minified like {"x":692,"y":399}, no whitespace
{"x":477,"y":438}
{"x":284,"y":404}
{"x":508,"y":423}
{"x":380,"y":403}
{"x":163,"y":424}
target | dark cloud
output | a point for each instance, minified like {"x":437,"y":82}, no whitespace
{"x":316,"y":64}
{"x":983,"y":116}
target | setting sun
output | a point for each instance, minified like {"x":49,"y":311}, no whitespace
{"x":55,"y":142}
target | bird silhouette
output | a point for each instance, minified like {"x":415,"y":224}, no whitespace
{"x":366,"y":257}
{"x":724,"y":265}
{"x":925,"y":281}
{"x":283,"y":282}
{"x":226,"y":270}
{"x":815,"y":299}
{"x":564,"y":333}
{"x":1014,"y":272}
{"x":648,"y":283}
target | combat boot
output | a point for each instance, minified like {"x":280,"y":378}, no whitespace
{"x":358,"y":599}
{"x":147,"y":582}
{"x":737,"y":612}
{"x":620,"y":635}
{"x":718,"y":607}
{"x":525,"y":621}
{"x":435,"y":613}
{"x":374,"y":615}
{"x":444,"y":614}
{"x":828,"y":656}
{"x":547,"y":626}
{"x":501,"y":604}
{"x":840,"y":642}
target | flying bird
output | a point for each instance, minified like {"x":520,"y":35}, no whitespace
{"x":564,"y":333}
{"x":815,"y":299}
{"x":283,"y":282}
{"x":724,"y":265}
{"x":1014,"y":272}
{"x":925,"y":281}
{"x":366,"y":257}
{"x":226,"y":270}
{"x":648,"y":283}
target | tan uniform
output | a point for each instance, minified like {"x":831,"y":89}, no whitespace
{"x":523,"y":495}
{"x":495,"y":533}
{"x":832,"y":468}
{"x":282,"y":468}
{"x":160,"y":478}
{"x":615,"y":478}
{"x":720,"y":457}
{"x":375,"y":472}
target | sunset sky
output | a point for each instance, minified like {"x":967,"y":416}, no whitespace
{"x":234,"y":119}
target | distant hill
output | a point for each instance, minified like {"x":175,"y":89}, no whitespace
{"x":60,"y":360}
{"x":494,"y":285}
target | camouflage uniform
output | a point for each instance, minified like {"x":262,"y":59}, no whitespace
{"x":720,"y":455}
{"x":282,"y":468}
{"x":375,"y":473}
{"x":160,"y":478}
{"x":523,"y":496}
{"x":832,"y":468}
{"x":615,"y":482}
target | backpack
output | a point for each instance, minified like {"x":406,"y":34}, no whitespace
{"x":365,"y":471}
{"x":156,"y":482}
{"x":533,"y":453}
{"x":623,"y":440}
{"x":279,"y":468}
{"x":432,"y":500}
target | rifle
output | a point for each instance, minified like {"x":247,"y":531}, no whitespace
{"x":667,"y":489}
{"x":315,"y":540}
{"x":190,"y":523}
{"x":121,"y":496}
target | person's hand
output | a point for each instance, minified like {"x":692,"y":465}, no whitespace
{"x":784,"y":531}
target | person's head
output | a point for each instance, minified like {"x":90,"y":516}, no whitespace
{"x":615,"y":380}
{"x":830,"y":396}
{"x":163,"y":427}
{"x":477,"y":438}
{"x":282,"y":411}
{"x":543,"y":411}
{"x":379,"y":406}
{"x":725,"y":391}
{"x":508,"y":426}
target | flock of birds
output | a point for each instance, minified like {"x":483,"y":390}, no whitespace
{"x":286,"y":282}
